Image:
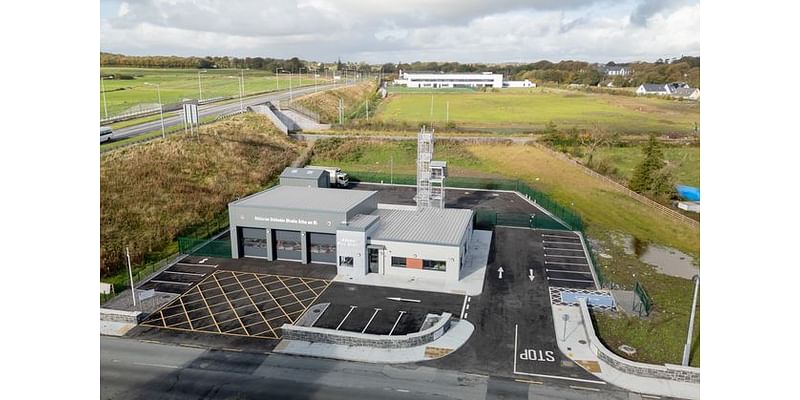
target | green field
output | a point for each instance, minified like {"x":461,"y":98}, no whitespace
{"x":658,"y":339}
{"x":531,"y":109}
{"x":684,"y":161}
{"x":122,"y":95}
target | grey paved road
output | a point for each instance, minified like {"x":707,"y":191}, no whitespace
{"x":132,"y":369}
{"x":213,"y":109}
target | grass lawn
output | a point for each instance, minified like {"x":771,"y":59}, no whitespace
{"x":151,"y":193}
{"x":658,"y":339}
{"x":685,"y":161}
{"x":179,"y":84}
{"x":533,"y":108}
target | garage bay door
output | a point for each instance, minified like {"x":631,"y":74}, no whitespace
{"x":254,"y":242}
{"x":322,"y":247}
{"x":287,"y":245}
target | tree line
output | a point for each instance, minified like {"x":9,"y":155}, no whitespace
{"x":683,"y":69}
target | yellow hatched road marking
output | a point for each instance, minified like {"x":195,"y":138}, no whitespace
{"x":231,"y":305}
{"x":187,"y":314}
{"x":273,"y":299}
{"x":208,"y":308}
{"x":254,"y":305}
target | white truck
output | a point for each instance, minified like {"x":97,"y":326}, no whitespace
{"x":337,"y":177}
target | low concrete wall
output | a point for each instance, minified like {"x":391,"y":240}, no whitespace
{"x":671,"y":372}
{"x":322,"y":335}
{"x":267,"y":110}
{"x":130,"y":317}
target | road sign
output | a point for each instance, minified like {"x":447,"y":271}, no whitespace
{"x":190,"y":114}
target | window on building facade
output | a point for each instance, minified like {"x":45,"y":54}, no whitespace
{"x":416,"y":263}
{"x":346,"y":261}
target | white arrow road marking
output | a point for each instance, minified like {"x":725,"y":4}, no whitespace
{"x":500,"y":273}
{"x":530,"y":274}
{"x":404,"y":299}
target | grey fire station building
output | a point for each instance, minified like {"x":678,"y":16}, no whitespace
{"x":303,"y":220}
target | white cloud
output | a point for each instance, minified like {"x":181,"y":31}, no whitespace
{"x":452,"y":30}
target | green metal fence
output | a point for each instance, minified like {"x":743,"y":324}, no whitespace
{"x":204,"y":247}
{"x":645,"y":303}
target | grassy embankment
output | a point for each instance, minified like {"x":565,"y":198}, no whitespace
{"x":657,"y":338}
{"x":684,"y":162}
{"x":326,"y":104}
{"x":515,"y":110}
{"x":179,"y":84}
{"x":154,"y":192}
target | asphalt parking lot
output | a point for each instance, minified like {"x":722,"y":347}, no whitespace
{"x":369,"y":309}
{"x":502,"y":202}
{"x":565,"y":261}
{"x":514,"y":335}
{"x":239,"y":304}
{"x":179,"y":277}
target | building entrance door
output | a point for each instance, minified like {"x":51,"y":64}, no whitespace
{"x":372,"y":260}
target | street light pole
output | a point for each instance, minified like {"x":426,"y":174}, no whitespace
{"x":103,"y":89}
{"x":130,"y":275}
{"x":160,"y":107}
{"x":688,"y":347}
{"x":200,"y":84}
{"x":241,"y":93}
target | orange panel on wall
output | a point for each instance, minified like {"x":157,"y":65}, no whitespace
{"x":415,"y":263}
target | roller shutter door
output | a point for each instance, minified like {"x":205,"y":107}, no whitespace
{"x":288,"y":245}
{"x":322,"y":248}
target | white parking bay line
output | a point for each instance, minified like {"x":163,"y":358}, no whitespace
{"x":565,"y":263}
{"x":370,"y":320}
{"x":568,"y":280}
{"x":396,"y":322}
{"x":345,"y":317}
{"x":171,"y":282}
{"x":567,"y":271}
{"x":184,"y":273}
{"x":560,"y":256}
{"x":572,"y":243}
{"x":560,"y":237}
{"x":556,"y":248}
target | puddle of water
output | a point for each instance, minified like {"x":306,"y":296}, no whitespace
{"x":667,"y":260}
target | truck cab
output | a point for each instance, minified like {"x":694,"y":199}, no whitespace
{"x":337,"y":177}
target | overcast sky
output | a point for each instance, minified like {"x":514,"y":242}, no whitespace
{"x":405,"y":30}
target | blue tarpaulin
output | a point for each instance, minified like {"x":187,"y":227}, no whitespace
{"x":688,"y":192}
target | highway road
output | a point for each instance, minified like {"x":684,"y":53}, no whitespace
{"x":215,"y":109}
{"x":133,"y":369}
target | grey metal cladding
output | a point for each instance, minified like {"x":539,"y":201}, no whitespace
{"x":297,"y":198}
{"x":445,"y":226}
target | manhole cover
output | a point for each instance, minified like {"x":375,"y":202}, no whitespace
{"x":316,"y":310}
{"x":582,"y":341}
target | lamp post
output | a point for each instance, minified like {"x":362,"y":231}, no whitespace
{"x":160,"y":107}
{"x":687,"y":348}
{"x":200,"y":84}
{"x":241,"y":103}
{"x":277,"y":78}
{"x":103,"y":90}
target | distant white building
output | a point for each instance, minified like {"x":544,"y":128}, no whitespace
{"x":616,"y":70}
{"x":441,"y":80}
{"x":519,"y":84}
{"x":675,"y":89}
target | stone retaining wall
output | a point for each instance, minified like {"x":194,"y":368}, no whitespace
{"x":322,"y":335}
{"x":130,"y":317}
{"x":671,"y":372}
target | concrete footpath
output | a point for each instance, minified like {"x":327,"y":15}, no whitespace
{"x":575,"y":344}
{"x":449,"y":342}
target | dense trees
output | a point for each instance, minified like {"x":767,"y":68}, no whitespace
{"x":684,"y":69}
{"x":269,"y":64}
